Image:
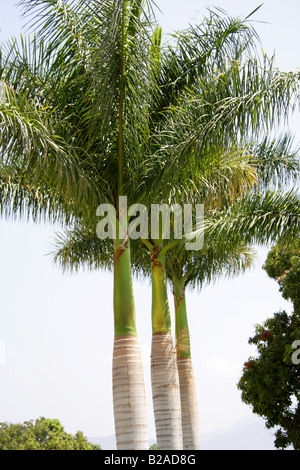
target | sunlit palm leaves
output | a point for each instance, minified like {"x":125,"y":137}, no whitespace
{"x":260,"y":217}
{"x":196,"y":51}
{"x":229,"y":109}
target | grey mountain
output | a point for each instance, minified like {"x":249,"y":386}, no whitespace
{"x":248,"y":433}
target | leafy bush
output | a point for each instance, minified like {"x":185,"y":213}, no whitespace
{"x":42,"y":434}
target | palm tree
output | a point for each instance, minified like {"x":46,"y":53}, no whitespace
{"x":190,"y":269}
{"x":114,"y":96}
{"x":87,"y":72}
{"x":262,"y":217}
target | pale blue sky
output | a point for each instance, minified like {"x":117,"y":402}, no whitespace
{"x":55,"y":357}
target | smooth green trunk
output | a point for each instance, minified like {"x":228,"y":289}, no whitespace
{"x":124,"y":307}
{"x":164,"y":373}
{"x":161,"y":322}
{"x":129,"y":398}
{"x":183,"y":347}
{"x":188,"y":394}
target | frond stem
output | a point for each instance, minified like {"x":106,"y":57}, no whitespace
{"x":121,"y":107}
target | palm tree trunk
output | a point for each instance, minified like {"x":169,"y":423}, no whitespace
{"x":188,"y":394}
{"x":164,"y":373}
{"x":129,"y":397}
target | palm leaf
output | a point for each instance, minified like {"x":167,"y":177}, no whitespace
{"x":199,"y":50}
{"x":79,"y":247}
{"x":257,"y":218}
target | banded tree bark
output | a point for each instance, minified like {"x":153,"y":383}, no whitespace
{"x":189,"y":405}
{"x":129,"y":398}
{"x":164,"y":373}
{"x":129,"y":395}
{"x":188,"y":394}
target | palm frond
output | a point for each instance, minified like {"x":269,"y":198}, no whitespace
{"x":21,"y":198}
{"x":28,"y":141}
{"x":236,"y":107}
{"x":209,"y":265}
{"x":277,"y":161}
{"x":198,"y":50}
{"x":79,"y":247}
{"x":55,"y":21}
{"x":257,"y":218}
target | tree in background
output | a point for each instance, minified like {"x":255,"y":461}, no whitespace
{"x":41,"y":434}
{"x":283,"y":265}
{"x":270,"y":382}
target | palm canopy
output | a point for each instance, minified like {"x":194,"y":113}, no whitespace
{"x":196,"y":52}
{"x":252,"y":218}
{"x":68,"y":104}
{"x":71,"y":75}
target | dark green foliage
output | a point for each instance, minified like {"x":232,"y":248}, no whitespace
{"x":42,"y":434}
{"x":270,"y":382}
{"x":280,"y":258}
{"x":283,"y":265}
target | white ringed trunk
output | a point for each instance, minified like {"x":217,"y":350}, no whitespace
{"x":166,"y":393}
{"x":189,"y":405}
{"x":129,"y":398}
